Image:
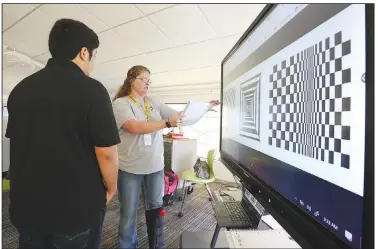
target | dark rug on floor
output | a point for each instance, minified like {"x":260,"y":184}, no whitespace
{"x":198,"y":216}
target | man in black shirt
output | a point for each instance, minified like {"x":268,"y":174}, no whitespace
{"x":63,"y":138}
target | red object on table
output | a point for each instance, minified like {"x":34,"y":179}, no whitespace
{"x":175,"y":135}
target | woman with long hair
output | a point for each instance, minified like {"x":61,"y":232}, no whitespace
{"x":140,"y":120}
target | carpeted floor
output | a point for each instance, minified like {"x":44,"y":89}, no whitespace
{"x":198,"y":216}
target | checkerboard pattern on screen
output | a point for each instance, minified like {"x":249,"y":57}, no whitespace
{"x":307,"y":102}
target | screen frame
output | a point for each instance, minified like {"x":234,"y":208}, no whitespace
{"x":368,"y":203}
{"x":294,"y":220}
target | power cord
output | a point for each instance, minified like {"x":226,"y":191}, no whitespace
{"x":237,"y":182}
{"x":224,"y":194}
{"x":230,"y":187}
{"x":225,"y":185}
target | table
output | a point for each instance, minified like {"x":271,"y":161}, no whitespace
{"x":202,"y":240}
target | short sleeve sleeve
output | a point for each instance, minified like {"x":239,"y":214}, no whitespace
{"x":122,"y":111}
{"x":103,"y":129}
{"x":166,"y":111}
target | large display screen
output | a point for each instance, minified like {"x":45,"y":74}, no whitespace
{"x":294,"y":109}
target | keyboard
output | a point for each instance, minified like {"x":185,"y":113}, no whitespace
{"x":236,"y":213}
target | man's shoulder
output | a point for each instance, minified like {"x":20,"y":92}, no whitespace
{"x":96,"y":84}
{"x":33,"y":77}
{"x":91,"y":86}
{"x":47,"y":74}
{"x":78,"y":79}
{"x":25,"y":83}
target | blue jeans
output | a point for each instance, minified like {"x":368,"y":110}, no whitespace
{"x":129,"y":186}
{"x":89,"y":238}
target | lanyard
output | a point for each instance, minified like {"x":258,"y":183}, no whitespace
{"x":146,"y":107}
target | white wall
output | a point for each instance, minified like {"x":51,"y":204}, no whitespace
{"x":184,"y":97}
{"x":222,"y":173}
{"x":205,"y":131}
{"x":5,"y":147}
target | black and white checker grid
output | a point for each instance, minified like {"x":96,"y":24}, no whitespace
{"x":307,"y":102}
{"x":250,"y":108}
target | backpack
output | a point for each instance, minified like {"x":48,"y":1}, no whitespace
{"x":202,"y":169}
{"x":171,"y":181}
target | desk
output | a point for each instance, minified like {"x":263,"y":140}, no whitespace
{"x":218,"y":231}
{"x":180,"y":155}
{"x":241,"y":239}
{"x":202,"y":240}
{"x":205,"y":239}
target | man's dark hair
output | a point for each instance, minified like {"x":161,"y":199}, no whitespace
{"x":67,"y":37}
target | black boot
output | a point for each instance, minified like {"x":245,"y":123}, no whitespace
{"x":155,"y":227}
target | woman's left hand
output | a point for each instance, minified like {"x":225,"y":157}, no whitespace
{"x":212,"y":104}
{"x":175,"y":119}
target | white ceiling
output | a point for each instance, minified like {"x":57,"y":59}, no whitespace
{"x":182,"y":44}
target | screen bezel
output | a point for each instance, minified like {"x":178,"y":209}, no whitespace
{"x":293,"y":219}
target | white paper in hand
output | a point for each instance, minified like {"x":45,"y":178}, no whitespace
{"x":193,"y":112}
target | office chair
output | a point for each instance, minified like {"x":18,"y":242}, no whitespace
{"x":190,"y":176}
{"x":6,"y":184}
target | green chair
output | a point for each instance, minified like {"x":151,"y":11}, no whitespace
{"x":6,"y":185}
{"x":190,"y":176}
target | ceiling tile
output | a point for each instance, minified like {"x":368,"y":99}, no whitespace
{"x":183,"y":24}
{"x":14,"y":12}
{"x":152,"y":8}
{"x":28,"y":38}
{"x":149,"y":38}
{"x":27,"y":26}
{"x":229,"y":19}
{"x":35,"y":45}
{"x":194,"y":65}
{"x":191,"y":76}
{"x":8,"y":61}
{"x":73,"y":11}
{"x":113,"y":46}
{"x":185,"y":88}
{"x":113,"y":84}
{"x":119,"y":68}
{"x":202,"y":54}
{"x":13,"y":42}
{"x":17,"y":72}
{"x":43,"y":58}
{"x":113,"y":14}
{"x":209,"y":76}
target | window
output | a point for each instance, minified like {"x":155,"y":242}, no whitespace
{"x":5,"y":111}
{"x":206,"y":131}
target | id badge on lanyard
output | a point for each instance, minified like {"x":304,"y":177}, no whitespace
{"x":147,"y":139}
